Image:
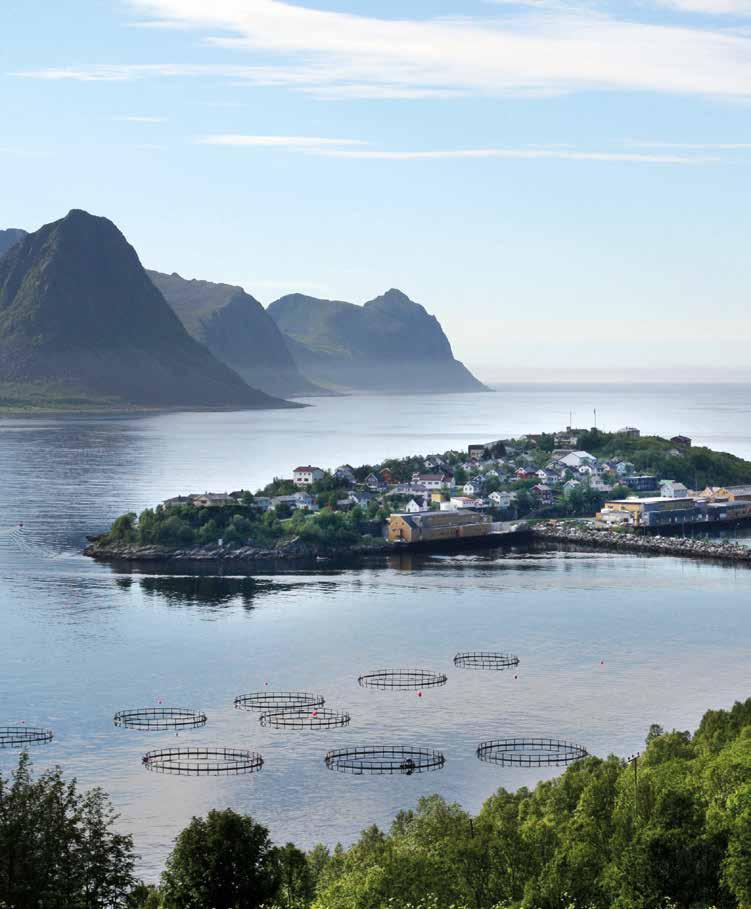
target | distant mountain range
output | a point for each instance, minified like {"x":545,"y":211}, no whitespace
{"x":390,"y":344}
{"x":237,"y":330}
{"x":82,"y":322}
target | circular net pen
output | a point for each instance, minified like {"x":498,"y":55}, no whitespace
{"x":276,"y":701}
{"x":305,"y":719}
{"x":202,"y":761}
{"x":479,"y":659}
{"x":22,"y":736}
{"x":385,"y":759}
{"x":519,"y":752}
{"x":154,"y":719}
{"x":402,"y":679}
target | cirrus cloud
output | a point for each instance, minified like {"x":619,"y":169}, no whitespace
{"x":537,"y":50}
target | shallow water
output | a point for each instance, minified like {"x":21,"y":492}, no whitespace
{"x":608,"y":643}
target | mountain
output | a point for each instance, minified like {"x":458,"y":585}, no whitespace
{"x":237,"y":330}
{"x":9,"y":238}
{"x":390,"y":344}
{"x":80,"y":322}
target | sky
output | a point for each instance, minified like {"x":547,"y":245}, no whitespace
{"x":565,"y":185}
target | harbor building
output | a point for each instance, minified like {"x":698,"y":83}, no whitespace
{"x":435,"y":526}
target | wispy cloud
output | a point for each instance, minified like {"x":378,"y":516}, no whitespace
{"x":693,"y":146}
{"x":709,"y":7}
{"x":534,"y":50}
{"x":509,"y":154}
{"x":140,"y":119}
{"x":353,"y":148}
{"x":290,"y":142}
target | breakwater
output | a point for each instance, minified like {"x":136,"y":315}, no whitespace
{"x":589,"y":538}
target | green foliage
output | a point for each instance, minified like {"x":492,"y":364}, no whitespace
{"x":678,"y":834}
{"x":58,"y":846}
{"x":695,"y":467}
{"x":243,"y":525}
{"x":222,"y":861}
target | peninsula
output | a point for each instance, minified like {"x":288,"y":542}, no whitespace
{"x":582,"y":487}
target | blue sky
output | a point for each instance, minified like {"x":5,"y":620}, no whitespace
{"x":563,"y":184}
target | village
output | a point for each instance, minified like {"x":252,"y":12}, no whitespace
{"x":480,"y":492}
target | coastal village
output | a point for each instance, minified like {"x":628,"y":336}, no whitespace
{"x":482,"y":491}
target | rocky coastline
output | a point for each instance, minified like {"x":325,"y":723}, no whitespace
{"x":290,"y":550}
{"x":588,"y":538}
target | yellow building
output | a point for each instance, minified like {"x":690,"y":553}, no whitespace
{"x":434,"y":526}
{"x":732,"y":493}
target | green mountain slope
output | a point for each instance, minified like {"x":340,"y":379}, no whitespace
{"x":237,"y":330}
{"x":81,"y":321}
{"x":390,"y":344}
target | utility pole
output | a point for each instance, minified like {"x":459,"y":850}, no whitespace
{"x":595,"y":418}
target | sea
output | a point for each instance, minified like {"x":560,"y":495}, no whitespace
{"x":607,"y":643}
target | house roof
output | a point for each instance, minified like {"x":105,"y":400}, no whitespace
{"x":306,"y":469}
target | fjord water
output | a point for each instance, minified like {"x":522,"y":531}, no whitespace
{"x":608,"y":643}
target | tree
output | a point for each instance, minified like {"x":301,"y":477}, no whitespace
{"x":460,"y":476}
{"x":222,"y":861}
{"x":58,"y":847}
{"x":296,"y":878}
{"x":124,"y":528}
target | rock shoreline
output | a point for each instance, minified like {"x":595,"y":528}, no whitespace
{"x":658,"y":545}
{"x":292,"y":550}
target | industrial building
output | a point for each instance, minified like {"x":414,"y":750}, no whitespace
{"x":658,"y":511}
{"x":435,"y":526}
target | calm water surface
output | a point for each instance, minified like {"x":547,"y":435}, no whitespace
{"x":608,"y":643}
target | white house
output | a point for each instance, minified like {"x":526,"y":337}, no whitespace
{"x":413,"y":506}
{"x":672,"y":489}
{"x":502,"y":499}
{"x":575,"y":459}
{"x":474,"y":487}
{"x":306,"y":476}
{"x":457,"y":503}
{"x":298,"y":500}
{"x":432,"y":480}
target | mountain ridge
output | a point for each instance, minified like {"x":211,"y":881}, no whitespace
{"x":79,"y":316}
{"x":389,"y":344}
{"x":237,"y":330}
{"x":9,"y":237}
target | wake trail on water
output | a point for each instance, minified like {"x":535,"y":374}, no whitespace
{"x":23,"y":542}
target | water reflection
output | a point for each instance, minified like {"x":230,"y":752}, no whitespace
{"x":211,"y":591}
